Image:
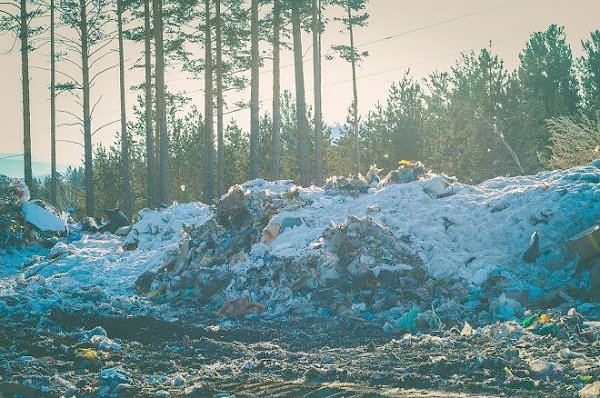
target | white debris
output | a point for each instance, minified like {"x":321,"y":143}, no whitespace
{"x":162,"y":228}
{"x":44,"y":219}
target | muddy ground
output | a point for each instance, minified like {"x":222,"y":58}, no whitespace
{"x":326,"y":357}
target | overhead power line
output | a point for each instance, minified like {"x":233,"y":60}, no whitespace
{"x":442,"y":22}
{"x":381,"y":72}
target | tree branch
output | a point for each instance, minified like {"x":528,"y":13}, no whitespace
{"x":104,"y":126}
{"x":102,"y":72}
{"x":70,"y":113}
{"x":95,"y":105}
{"x":72,"y":142}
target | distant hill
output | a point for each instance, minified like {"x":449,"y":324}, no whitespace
{"x":12,"y":165}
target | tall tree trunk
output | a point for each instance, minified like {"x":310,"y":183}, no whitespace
{"x":220,"y":105}
{"x":127,"y":205}
{"x":24,"y":36}
{"x":208,"y":110}
{"x":157,"y":166}
{"x":302,"y":122}
{"x":354,"y":92}
{"x":87,"y":121}
{"x":53,"y":175}
{"x":316,"y":36}
{"x":254,"y":109}
{"x":161,"y":107}
{"x":150,"y":156}
{"x":276,"y":132}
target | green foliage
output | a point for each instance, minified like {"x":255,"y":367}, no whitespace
{"x":546,"y":72}
{"x":354,"y":16}
{"x":575,"y":141}
{"x":10,"y":20}
{"x":98,"y":13}
{"x":590,"y":73}
{"x":11,"y":223}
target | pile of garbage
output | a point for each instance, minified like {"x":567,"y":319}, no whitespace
{"x":415,"y":247}
{"x":23,"y":220}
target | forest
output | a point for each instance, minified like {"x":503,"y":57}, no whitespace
{"x":476,"y":121}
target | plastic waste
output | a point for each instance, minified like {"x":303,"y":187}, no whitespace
{"x":43,"y":216}
{"x":438,"y":187}
{"x":409,"y":321}
{"x":530,"y":320}
{"x":21,"y":190}
{"x":372,"y":176}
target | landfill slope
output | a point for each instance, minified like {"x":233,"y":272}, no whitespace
{"x":327,"y":251}
{"x":412,"y":284}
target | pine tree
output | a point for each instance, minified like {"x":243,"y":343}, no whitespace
{"x":590,"y":73}
{"x":89,"y":20}
{"x":208,"y":108}
{"x":164,"y":193}
{"x":351,"y":54}
{"x":302,"y":125}
{"x":126,"y":189}
{"x":254,"y":106}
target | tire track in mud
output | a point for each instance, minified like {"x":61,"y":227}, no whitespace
{"x":299,"y":389}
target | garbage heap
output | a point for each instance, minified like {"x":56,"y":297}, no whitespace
{"x":23,"y":220}
{"x":413,"y":246}
{"x":356,"y":268}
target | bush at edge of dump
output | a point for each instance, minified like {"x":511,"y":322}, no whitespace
{"x":12,"y":225}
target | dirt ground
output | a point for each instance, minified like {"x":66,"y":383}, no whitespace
{"x":325,"y":357}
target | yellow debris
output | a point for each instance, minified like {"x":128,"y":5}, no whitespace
{"x":154,"y":293}
{"x":544,"y":318}
{"x":406,"y":163}
{"x":91,"y":355}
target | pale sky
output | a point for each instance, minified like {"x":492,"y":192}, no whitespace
{"x":429,"y":36}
